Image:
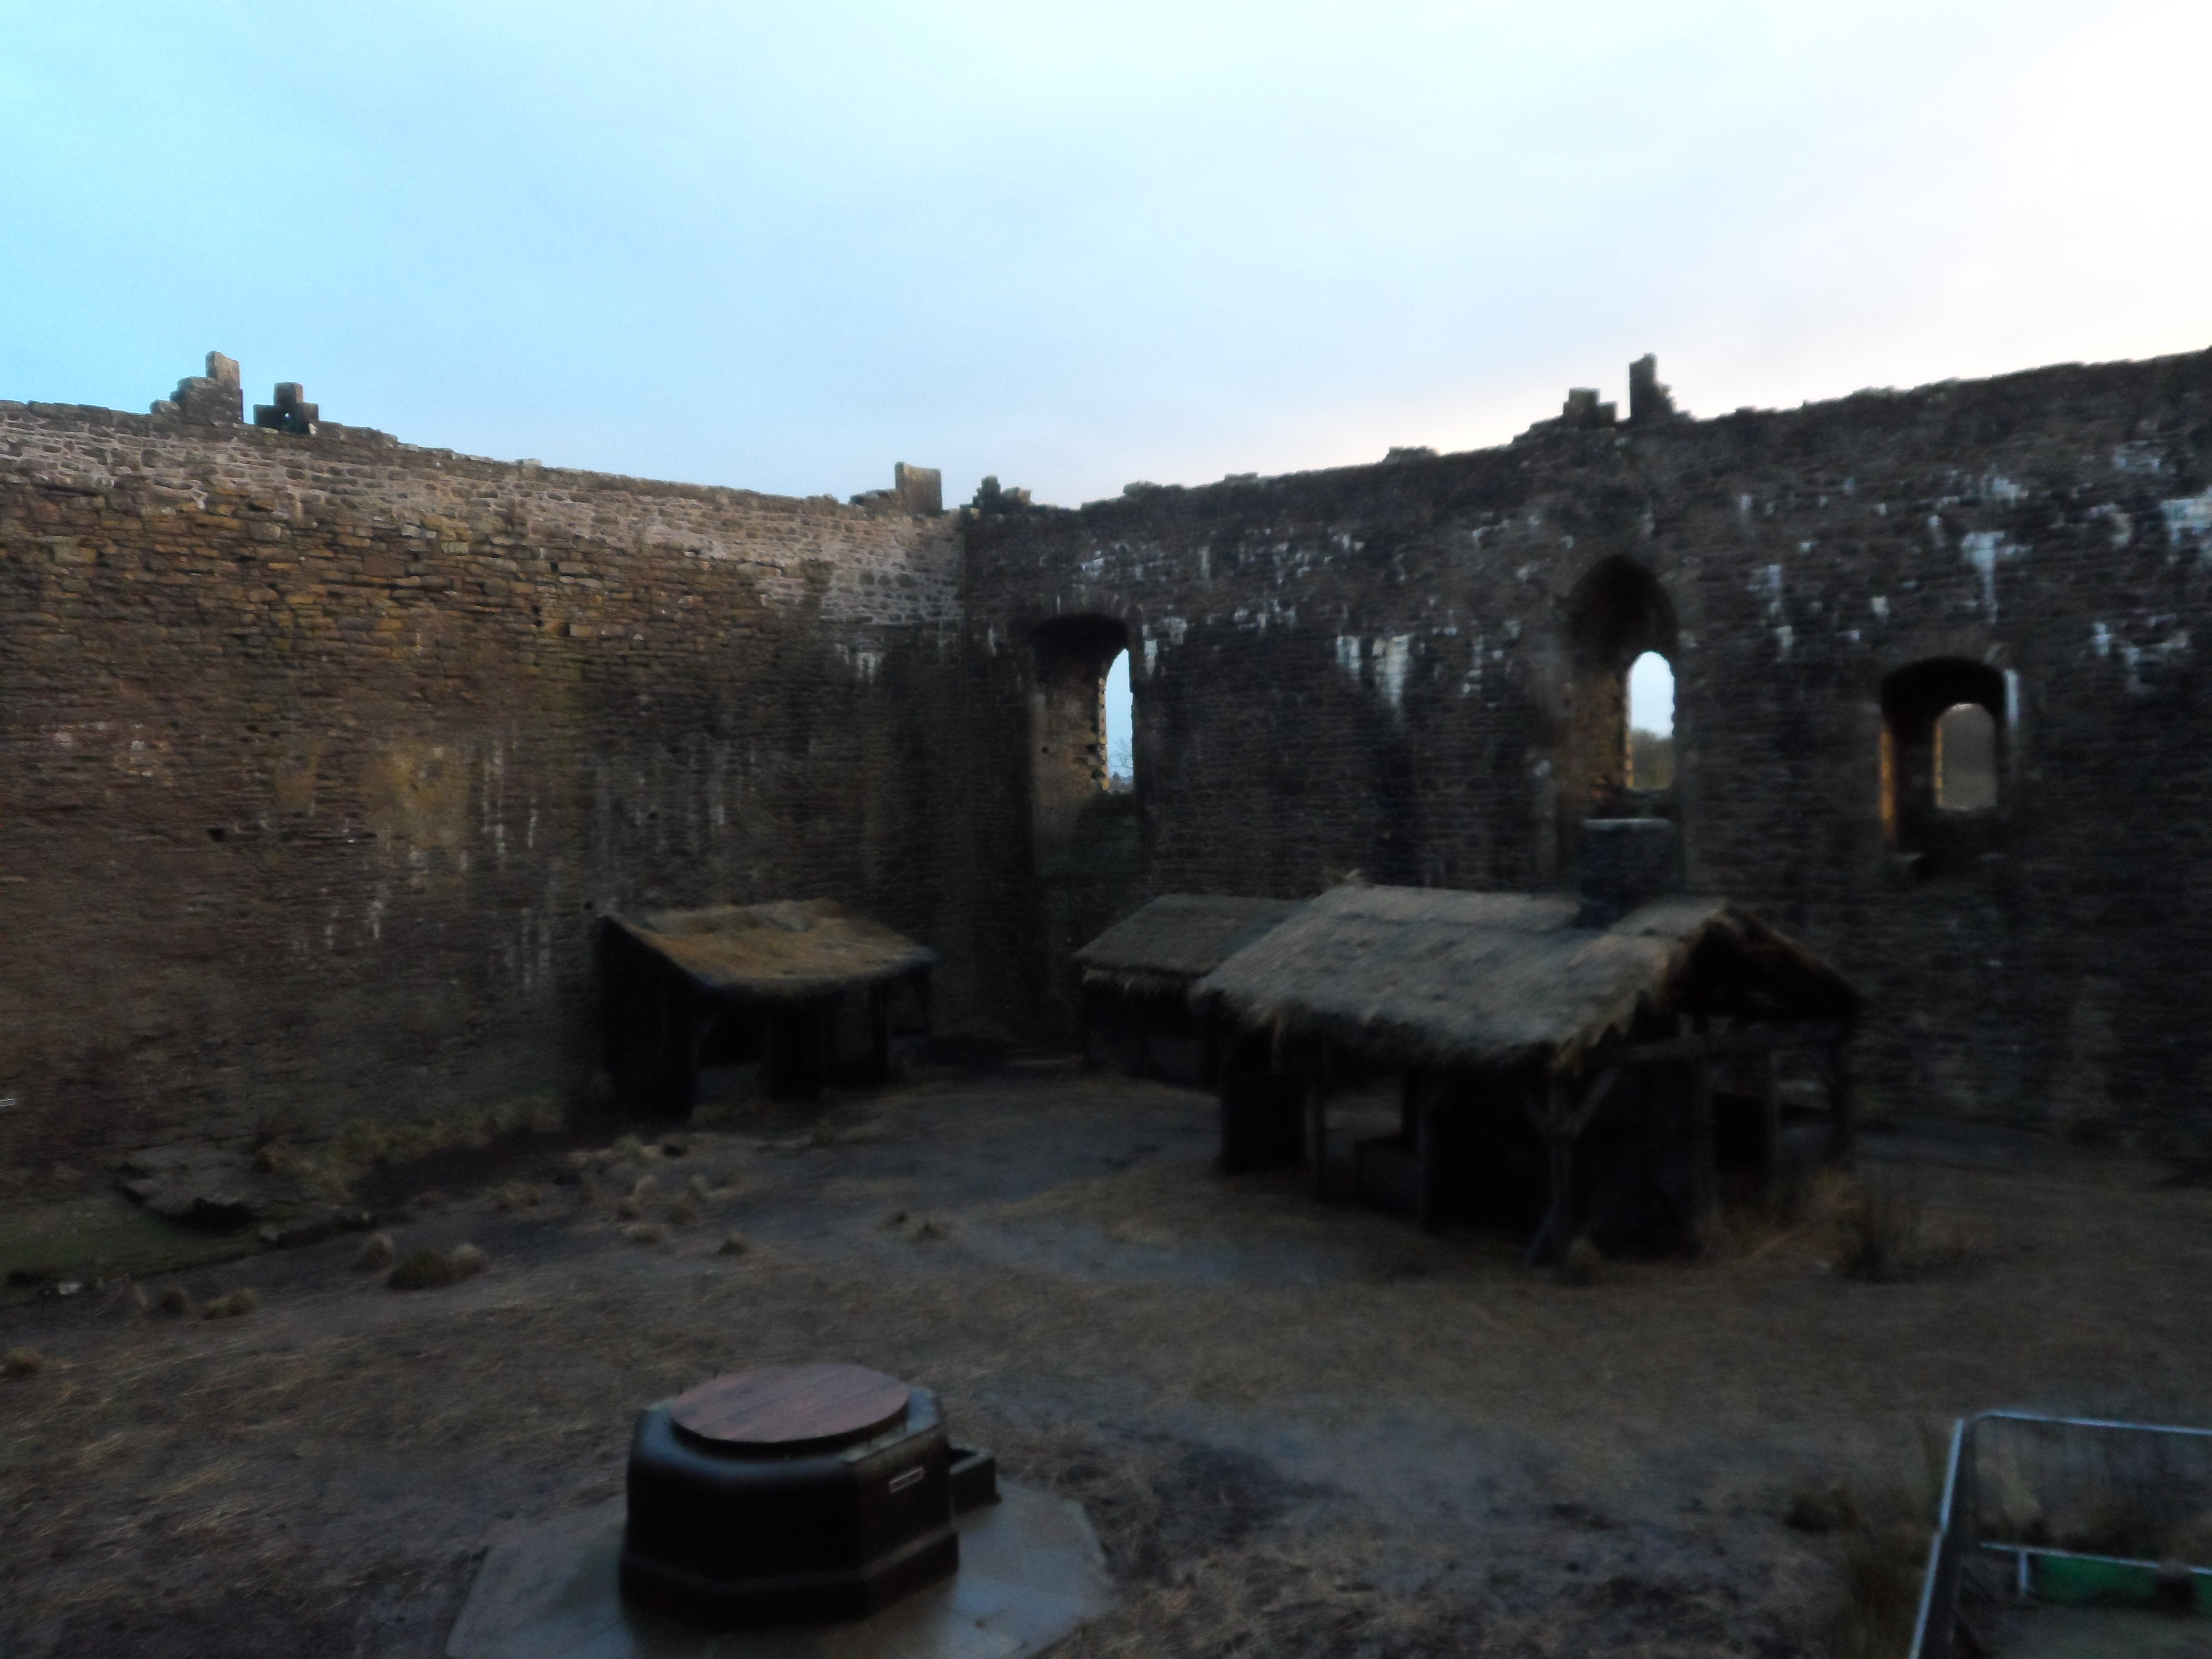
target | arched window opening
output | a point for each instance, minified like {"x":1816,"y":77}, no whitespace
{"x":1943,"y":761}
{"x":1650,"y":722}
{"x":1120,"y":729}
{"x":1069,"y":766}
{"x":1966,"y":758}
{"x":1617,"y":616}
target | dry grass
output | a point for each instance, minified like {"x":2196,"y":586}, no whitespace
{"x":22,"y":1362}
{"x":682,"y":1210}
{"x":1885,"y":1230}
{"x":434,"y":1270}
{"x":1584,"y":1263}
{"x":646,"y":1232}
{"x":733,"y":1245}
{"x":231,"y":1306}
{"x":376,"y":1253}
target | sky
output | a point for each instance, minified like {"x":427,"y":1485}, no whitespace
{"x":1077,"y":245}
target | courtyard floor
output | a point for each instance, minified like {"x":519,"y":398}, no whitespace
{"x":1299,"y":1428}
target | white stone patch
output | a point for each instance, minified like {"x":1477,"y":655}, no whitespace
{"x":1178,"y":630}
{"x":1767,"y":585}
{"x":1743,"y":506}
{"x":2175,"y":643}
{"x":1785,"y":638}
{"x":1998,"y":488}
{"x":1152,"y":654}
{"x":2121,"y":523}
{"x":1879,"y":605}
{"x":1984,"y":549}
{"x":1349,"y":647}
{"x":2138,"y":458}
{"x":1393,"y":658}
{"x":2189,"y":524}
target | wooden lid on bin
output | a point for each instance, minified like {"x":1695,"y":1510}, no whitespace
{"x":790,"y":1407}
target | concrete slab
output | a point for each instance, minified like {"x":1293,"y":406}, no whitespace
{"x":1030,"y":1574}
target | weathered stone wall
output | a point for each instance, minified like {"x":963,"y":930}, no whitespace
{"x":1378,"y":668}
{"x":321,"y":755}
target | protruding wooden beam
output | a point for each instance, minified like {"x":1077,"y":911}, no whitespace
{"x":1758,"y":1039}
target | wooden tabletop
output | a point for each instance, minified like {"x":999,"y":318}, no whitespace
{"x":783,"y":1407}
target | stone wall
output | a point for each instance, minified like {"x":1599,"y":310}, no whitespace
{"x":321,"y":755}
{"x":1397,"y":668}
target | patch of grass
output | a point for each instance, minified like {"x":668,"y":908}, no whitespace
{"x":1882,"y":1556}
{"x":425,"y":1270}
{"x":376,"y":1253}
{"x":1584,"y":1263}
{"x":22,"y":1362}
{"x":432,"y":1270}
{"x":238,"y":1303}
{"x":683,"y":1212}
{"x":1886,"y":1237}
{"x":175,"y":1302}
{"x":646,"y":1232}
{"x":733,"y":1245}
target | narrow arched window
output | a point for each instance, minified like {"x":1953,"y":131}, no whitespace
{"x":1650,"y":722}
{"x":1943,"y":740}
{"x":1120,"y":727}
{"x":1965,"y":760}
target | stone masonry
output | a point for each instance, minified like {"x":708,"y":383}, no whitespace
{"x":320,"y":755}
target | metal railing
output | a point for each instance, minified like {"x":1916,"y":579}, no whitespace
{"x":2051,"y":1490}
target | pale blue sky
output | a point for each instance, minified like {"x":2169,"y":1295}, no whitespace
{"x":1074,"y":246}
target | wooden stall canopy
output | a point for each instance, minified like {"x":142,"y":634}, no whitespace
{"x":1427,"y":976}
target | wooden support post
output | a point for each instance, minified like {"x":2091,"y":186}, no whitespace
{"x":922,"y":992}
{"x":1409,"y":1096}
{"x":1770,"y":1152}
{"x":1427,"y":1176}
{"x":1843,"y":1108}
{"x":1210,"y":1073}
{"x":1317,"y":1127}
{"x":1559,"y":1148}
{"x":1704,"y":1198}
{"x":880,"y":1032}
{"x":1090,"y":1015}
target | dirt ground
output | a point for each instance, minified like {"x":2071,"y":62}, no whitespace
{"x":1300,"y":1428}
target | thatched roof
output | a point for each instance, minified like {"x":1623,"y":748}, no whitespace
{"x":790,"y":950}
{"x":1421,"y":976}
{"x":1176,"y":938}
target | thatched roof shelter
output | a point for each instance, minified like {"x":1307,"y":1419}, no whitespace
{"x":1423,"y":976}
{"x":1177,"y":938}
{"x":792,"y":950}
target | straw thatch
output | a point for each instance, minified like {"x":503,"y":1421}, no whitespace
{"x":1423,"y":976}
{"x":789,"y":951}
{"x":1175,"y":939}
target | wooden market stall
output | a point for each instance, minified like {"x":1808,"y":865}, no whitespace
{"x":772,"y":982}
{"x":1568,"y":1073}
{"x":1138,"y":974}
